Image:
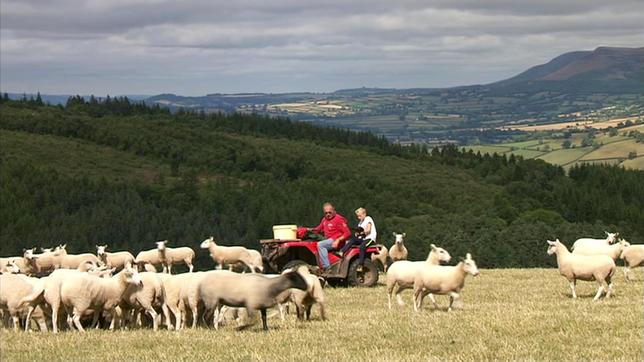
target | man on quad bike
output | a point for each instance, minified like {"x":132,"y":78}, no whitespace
{"x":335,"y":230}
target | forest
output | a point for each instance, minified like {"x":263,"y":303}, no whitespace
{"x":127,"y":174}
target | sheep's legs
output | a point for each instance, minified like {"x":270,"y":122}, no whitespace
{"x":95,"y":320}
{"x":610,"y":290}
{"x":155,"y":320}
{"x":572,"y":286}
{"x":453,"y":296}
{"x":281,"y":307}
{"x":264,"y":324}
{"x":76,"y":319}
{"x":627,"y":272}
{"x":600,"y":290}
{"x":308,"y":312}
{"x":16,"y":322}
{"x":417,"y":299}
{"x":54,"y":317}
{"x":30,"y":310}
{"x":190,"y":266}
{"x":433,"y":300}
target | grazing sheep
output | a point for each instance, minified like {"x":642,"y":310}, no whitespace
{"x":583,"y":267}
{"x":73,"y":261}
{"x":382,"y":257}
{"x":17,"y":292}
{"x":251,"y":291}
{"x":398,"y":251}
{"x":148,"y":257}
{"x":304,"y":299}
{"x":170,"y":256}
{"x":116,"y":259}
{"x":232,"y":255}
{"x":612,"y":250}
{"x":81,"y":292}
{"x":439,"y":279}
{"x":583,"y":242}
{"x":402,"y":273}
{"x":149,"y":297}
{"x":633,"y":256}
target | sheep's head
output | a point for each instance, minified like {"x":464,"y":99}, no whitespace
{"x":611,"y":237}
{"x":206,"y":243}
{"x":553,"y":246}
{"x":46,"y":250}
{"x":12,"y":267}
{"x":161,"y":245}
{"x":29,"y":253}
{"x":399,"y":238}
{"x":470,"y":265}
{"x":100,"y":249}
{"x":624,"y":243}
{"x":132,"y":276}
{"x":441,"y":254}
{"x":61,"y":249}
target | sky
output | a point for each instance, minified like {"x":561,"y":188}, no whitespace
{"x":199,"y":47}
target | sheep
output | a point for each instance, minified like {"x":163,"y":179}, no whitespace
{"x":633,"y":256}
{"x":438,"y":279}
{"x":4,"y":263}
{"x":398,"y":251}
{"x":17,"y":292}
{"x":116,"y":260}
{"x":188,"y":296}
{"x":580,"y":243}
{"x":232,"y":255}
{"x":73,"y":261}
{"x":401,"y":274}
{"x":583,"y":267}
{"x":46,"y":262}
{"x":11,"y":268}
{"x":147,"y":297}
{"x":382,"y":257}
{"x":252,"y":291}
{"x":82,"y":291}
{"x":170,"y":256}
{"x":304,"y":299}
{"x":151,"y":257}
{"x":612,"y":250}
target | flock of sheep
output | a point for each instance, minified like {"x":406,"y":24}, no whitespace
{"x":118,"y":289}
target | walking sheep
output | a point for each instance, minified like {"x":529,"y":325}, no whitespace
{"x":116,"y":260}
{"x":583,"y":267}
{"x":251,"y":291}
{"x":583,"y":242}
{"x":438,"y":279}
{"x":612,"y":250}
{"x":633,"y":256}
{"x":402,"y":273}
{"x":232,"y":255}
{"x":170,"y":256}
{"x":398,"y":251}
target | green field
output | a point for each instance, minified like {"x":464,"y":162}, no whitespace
{"x":511,"y":314}
{"x":615,"y":150}
{"x":563,"y":157}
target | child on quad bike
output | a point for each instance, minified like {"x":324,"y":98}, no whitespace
{"x":364,"y":236}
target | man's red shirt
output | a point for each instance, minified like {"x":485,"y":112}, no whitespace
{"x":334,"y":228}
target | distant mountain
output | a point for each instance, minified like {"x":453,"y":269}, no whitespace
{"x":604,"y":69}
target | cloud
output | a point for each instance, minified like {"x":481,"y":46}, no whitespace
{"x":198,"y":47}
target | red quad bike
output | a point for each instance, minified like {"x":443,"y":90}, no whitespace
{"x":280,"y":254}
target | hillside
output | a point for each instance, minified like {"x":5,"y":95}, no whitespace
{"x":128,"y":176}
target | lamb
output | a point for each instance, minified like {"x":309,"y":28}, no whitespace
{"x":612,"y":250}
{"x":304,"y":299}
{"x":17,"y":292}
{"x":633,"y":256}
{"x":116,"y":260}
{"x":147,"y":296}
{"x":438,"y":279}
{"x":170,"y":256}
{"x":151,"y":257}
{"x":252,"y":291}
{"x":584,"y":267}
{"x":402,"y":273}
{"x":73,"y":261}
{"x":583,"y":242}
{"x":82,"y":291}
{"x":232,"y":255}
{"x":382,"y":257}
{"x":398,"y":251}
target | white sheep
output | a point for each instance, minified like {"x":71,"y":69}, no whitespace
{"x":583,"y":267}
{"x":439,"y":279}
{"x":170,"y":256}
{"x":583,"y":242}
{"x":46,"y":262}
{"x":401,"y":274}
{"x":398,"y":251}
{"x":73,"y":261}
{"x":148,"y":257}
{"x":116,"y":259}
{"x":232,"y":255}
{"x":382,"y":257}
{"x":304,"y":299}
{"x":148,"y":297}
{"x":612,"y":250}
{"x":633,"y":256}
{"x":189,"y":297}
{"x":81,"y":292}
{"x":172,"y":285}
{"x":251,"y":291}
{"x":18,"y":292}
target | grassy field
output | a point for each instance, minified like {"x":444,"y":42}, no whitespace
{"x":512,"y":314}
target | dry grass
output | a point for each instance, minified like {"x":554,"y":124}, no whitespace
{"x":513,"y":314}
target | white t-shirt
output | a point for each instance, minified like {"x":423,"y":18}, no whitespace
{"x":368,"y":220}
